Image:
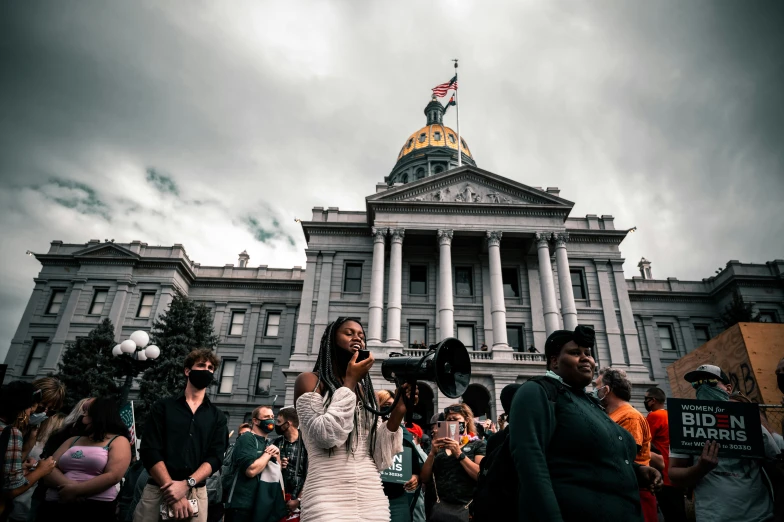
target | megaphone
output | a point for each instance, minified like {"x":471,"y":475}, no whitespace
{"x":446,"y":363}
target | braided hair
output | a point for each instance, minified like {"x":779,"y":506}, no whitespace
{"x":327,"y":371}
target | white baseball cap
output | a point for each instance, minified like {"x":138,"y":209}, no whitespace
{"x":707,"y":371}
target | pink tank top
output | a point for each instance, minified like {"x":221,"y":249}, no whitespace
{"x":82,"y":463}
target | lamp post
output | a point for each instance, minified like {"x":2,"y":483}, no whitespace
{"x":137,"y":348}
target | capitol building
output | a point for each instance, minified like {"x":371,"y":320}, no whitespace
{"x":440,"y":248}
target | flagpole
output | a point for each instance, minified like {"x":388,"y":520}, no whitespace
{"x":135,"y":434}
{"x":457,"y":107}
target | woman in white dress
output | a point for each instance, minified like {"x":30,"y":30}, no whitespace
{"x":348,"y":445}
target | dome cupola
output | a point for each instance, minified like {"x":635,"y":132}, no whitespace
{"x":430,"y":150}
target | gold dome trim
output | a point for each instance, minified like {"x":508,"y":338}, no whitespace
{"x":445,"y":137}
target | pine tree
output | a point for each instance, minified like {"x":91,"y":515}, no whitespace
{"x":738,"y":312}
{"x":184,"y":327}
{"x":87,"y":367}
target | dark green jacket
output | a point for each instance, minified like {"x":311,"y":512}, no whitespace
{"x":248,"y":448}
{"x":573,"y":462}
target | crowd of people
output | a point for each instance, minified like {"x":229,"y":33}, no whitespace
{"x":569,"y":447}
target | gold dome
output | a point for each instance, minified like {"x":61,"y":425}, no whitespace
{"x":435,"y":135}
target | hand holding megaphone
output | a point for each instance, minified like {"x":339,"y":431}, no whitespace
{"x":356,"y":371}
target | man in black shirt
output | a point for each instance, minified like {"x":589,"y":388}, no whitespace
{"x":293,"y":455}
{"x":183,"y":444}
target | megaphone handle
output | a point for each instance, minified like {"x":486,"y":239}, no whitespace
{"x":409,"y":402}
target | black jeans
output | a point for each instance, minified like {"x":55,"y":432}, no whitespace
{"x":671,"y":503}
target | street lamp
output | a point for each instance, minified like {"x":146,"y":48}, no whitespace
{"x":137,"y":349}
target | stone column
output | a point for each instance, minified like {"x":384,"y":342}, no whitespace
{"x":243,"y":384}
{"x":628,"y":328}
{"x":376,"y":308}
{"x":322,"y":306}
{"x":547,"y":283}
{"x":394,"y":301}
{"x":17,"y":344}
{"x":306,"y":305}
{"x":537,"y":310}
{"x":217,"y":319}
{"x":610,"y":319}
{"x":446,"y":307}
{"x":118,"y":311}
{"x":498,"y":307}
{"x":688,"y":337}
{"x":651,"y":339}
{"x":58,"y":341}
{"x":568,"y":308}
{"x":167,"y":295}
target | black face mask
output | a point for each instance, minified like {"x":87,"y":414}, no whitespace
{"x":462,"y":427}
{"x":200,"y":378}
{"x":780,"y":379}
{"x":279,"y":428}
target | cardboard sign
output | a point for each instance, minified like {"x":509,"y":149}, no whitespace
{"x":400,"y":470}
{"x":734,"y":425}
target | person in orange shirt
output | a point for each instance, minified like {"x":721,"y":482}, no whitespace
{"x":614,"y":390}
{"x":670,"y":498}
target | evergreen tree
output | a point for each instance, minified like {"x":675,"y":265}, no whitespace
{"x":738,"y":312}
{"x":184,"y":327}
{"x":88,"y":368}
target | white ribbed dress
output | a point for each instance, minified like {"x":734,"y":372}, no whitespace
{"x":344,"y":486}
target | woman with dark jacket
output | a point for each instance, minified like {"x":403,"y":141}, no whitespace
{"x":573,"y":462}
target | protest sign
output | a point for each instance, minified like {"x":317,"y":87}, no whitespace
{"x":400,"y":470}
{"x":734,"y":425}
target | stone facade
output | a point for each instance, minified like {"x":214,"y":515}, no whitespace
{"x":451,"y":252}
{"x":504,"y":274}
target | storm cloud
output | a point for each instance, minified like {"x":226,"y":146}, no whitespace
{"x":216,"y":124}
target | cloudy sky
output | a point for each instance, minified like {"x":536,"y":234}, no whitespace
{"x":215,"y":124}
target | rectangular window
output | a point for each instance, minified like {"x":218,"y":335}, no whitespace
{"x":237,"y":320}
{"x":511,"y":282}
{"x":36,"y":357}
{"x":145,"y":304}
{"x":464,"y":281}
{"x":99,"y":301}
{"x":514,"y":337}
{"x":55,"y":302}
{"x":417,"y":335}
{"x":273,"y":324}
{"x":264,"y":380}
{"x":352,"y":282}
{"x":228,"y":371}
{"x":418,"y":283}
{"x":665,"y":337}
{"x":703,"y":334}
{"x":578,"y":284}
{"x":465,"y":334}
{"x":767,"y":316}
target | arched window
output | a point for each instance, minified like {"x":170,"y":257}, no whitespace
{"x":420,"y":173}
{"x":439,"y":169}
{"x":404,"y":178}
{"x":422,"y":137}
{"x":452,"y":138}
{"x":437,"y":136}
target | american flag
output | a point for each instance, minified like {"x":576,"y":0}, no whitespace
{"x":126,"y":413}
{"x":441,"y":90}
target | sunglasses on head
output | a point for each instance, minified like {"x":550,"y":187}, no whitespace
{"x":453,"y":409}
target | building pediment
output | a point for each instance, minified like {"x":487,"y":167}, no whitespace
{"x":468,"y":186}
{"x":106,"y":250}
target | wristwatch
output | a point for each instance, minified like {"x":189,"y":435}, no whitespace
{"x":191,"y":482}
{"x":462,"y":456}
